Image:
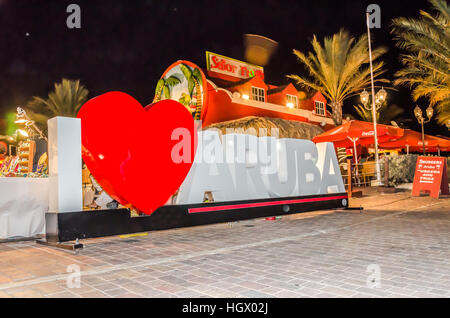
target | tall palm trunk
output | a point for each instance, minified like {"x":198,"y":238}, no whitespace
{"x":198,"y":105}
{"x":336,"y":106}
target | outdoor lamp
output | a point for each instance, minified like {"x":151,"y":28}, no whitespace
{"x":381,"y":95}
{"x":22,"y":118}
{"x":429,"y":112}
{"x":245,"y":96}
{"x":378,"y":99}
{"x":364,"y":97}
{"x":290,"y":105}
{"x":23,"y":132}
{"x":418,"y":113}
{"x":421,"y":120}
{"x":373,"y":106}
{"x":20,"y":121}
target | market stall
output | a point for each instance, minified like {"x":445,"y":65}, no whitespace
{"x":23,"y":182}
{"x":23,"y":203}
{"x":23,"y":193}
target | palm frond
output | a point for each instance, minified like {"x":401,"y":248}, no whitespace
{"x":337,"y":67}
{"x":385,"y":114}
{"x":427,"y":65}
{"x":65,"y":100}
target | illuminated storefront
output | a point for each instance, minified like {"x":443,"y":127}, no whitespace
{"x":229,"y":89}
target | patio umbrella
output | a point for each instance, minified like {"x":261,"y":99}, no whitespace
{"x":412,"y":141}
{"x":440,"y":143}
{"x":356,"y":132}
{"x":429,"y":148}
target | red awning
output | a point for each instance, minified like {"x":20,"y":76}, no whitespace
{"x":413,"y":140}
{"x":358,"y":132}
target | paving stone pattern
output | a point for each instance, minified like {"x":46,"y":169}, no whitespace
{"x":397,"y":247}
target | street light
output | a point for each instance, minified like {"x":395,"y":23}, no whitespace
{"x":381,"y":97}
{"x":364,"y":97}
{"x":419,"y":115}
{"x":23,"y":132}
{"x":23,"y":119}
{"x":374,"y":106}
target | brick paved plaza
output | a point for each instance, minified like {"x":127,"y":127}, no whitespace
{"x":321,"y":254}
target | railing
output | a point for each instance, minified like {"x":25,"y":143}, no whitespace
{"x":361,"y":174}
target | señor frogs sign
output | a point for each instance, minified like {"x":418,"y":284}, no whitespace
{"x":228,"y":66}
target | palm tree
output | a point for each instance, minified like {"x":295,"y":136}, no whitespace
{"x":165,"y":85}
{"x":65,"y":100}
{"x":194,"y":78}
{"x":385,"y":114}
{"x":338,"y":68}
{"x":427,"y":64}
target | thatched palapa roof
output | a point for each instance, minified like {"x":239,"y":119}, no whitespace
{"x":286,"y":128}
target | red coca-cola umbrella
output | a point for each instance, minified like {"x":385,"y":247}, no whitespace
{"x":412,"y":141}
{"x":358,"y":132}
{"x":437,"y":144}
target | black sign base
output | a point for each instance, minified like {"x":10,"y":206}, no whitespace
{"x":64,"y":227}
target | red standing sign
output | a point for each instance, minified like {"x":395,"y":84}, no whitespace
{"x":430,"y":176}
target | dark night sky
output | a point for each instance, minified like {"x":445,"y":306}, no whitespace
{"x":126,"y":45}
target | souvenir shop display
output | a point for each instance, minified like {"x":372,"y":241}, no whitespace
{"x":25,"y":152}
{"x":42,"y":165}
{"x":3,"y":150}
{"x":9,"y":166}
{"x":23,"y":162}
{"x":24,"y":182}
{"x":21,"y":165}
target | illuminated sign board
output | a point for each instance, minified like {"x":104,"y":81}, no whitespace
{"x":228,"y":66}
{"x":430,"y":176}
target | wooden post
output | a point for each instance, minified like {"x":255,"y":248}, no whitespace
{"x":423,"y":138}
{"x":386,"y":171}
{"x":349,"y":171}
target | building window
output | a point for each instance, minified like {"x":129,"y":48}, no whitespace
{"x":258,"y":94}
{"x":292,"y":100}
{"x":320,"y":108}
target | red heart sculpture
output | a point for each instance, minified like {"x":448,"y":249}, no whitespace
{"x":139,"y":157}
